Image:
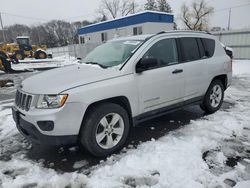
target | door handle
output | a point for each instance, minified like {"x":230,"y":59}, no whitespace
{"x":176,"y":71}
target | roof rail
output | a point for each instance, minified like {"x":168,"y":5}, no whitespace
{"x":183,"y":31}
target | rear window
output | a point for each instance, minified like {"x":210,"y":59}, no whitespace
{"x":209,"y":46}
{"x":190,"y":49}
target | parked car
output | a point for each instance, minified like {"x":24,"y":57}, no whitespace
{"x":120,"y":84}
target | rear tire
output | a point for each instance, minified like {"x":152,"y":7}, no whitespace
{"x":105,"y":129}
{"x":214,"y":97}
{"x":2,"y":54}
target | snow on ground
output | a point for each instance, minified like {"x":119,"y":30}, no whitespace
{"x":213,"y":151}
{"x":32,"y":65}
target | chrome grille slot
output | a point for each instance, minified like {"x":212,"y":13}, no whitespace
{"x":27,"y":107}
{"x":23,"y":100}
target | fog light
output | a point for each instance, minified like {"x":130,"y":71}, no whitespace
{"x":46,"y":125}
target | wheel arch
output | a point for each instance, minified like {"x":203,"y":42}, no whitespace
{"x":119,"y":100}
{"x":222,"y":78}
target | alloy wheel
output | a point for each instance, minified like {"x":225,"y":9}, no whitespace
{"x":215,"y":96}
{"x":109,"y":130}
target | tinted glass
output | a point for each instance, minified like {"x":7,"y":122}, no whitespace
{"x":209,"y":45}
{"x":135,"y":31}
{"x":164,"y":51}
{"x":190,"y":49}
{"x":201,"y":48}
{"x":23,"y":41}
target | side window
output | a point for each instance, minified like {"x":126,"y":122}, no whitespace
{"x":209,"y":45}
{"x":165,"y":51}
{"x":190,"y":49}
{"x":201,"y":48}
{"x":82,"y":40}
{"x":137,"y":30}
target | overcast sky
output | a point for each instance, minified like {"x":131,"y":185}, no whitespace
{"x":39,"y":11}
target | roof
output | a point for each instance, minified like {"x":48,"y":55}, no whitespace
{"x":135,"y":37}
{"x":141,"y":17}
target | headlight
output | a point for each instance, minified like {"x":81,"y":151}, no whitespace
{"x":51,"y":101}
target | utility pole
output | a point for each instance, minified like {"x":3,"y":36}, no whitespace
{"x":2,"y":27}
{"x":229,"y":19}
{"x":38,"y":34}
{"x":133,"y":7}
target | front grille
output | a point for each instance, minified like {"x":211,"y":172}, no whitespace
{"x":23,"y":100}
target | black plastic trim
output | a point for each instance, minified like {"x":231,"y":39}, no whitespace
{"x":162,"y":111}
{"x":29,"y":131}
{"x":46,"y":125}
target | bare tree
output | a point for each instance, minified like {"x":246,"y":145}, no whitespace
{"x":54,"y":33}
{"x":128,"y":7}
{"x":110,"y":6}
{"x":115,"y":8}
{"x":196,"y":16}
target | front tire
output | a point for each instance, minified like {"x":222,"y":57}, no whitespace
{"x":214,"y":97}
{"x":105,"y":129}
{"x":19,"y":55}
{"x":40,"y":55}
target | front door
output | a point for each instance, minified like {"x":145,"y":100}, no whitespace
{"x":163,"y":85}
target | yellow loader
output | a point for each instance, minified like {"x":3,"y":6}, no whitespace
{"x":21,"y":49}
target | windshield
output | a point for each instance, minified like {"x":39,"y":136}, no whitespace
{"x":111,"y":53}
{"x":23,"y":41}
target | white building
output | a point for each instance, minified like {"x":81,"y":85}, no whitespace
{"x":147,"y":22}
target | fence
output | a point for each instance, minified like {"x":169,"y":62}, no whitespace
{"x":74,"y":50}
{"x":238,"y":40}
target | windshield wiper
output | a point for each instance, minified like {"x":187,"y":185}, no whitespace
{"x":95,"y":63}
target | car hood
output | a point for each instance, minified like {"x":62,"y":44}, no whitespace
{"x":57,"y":80}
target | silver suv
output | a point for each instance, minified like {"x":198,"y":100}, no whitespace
{"x":120,"y":84}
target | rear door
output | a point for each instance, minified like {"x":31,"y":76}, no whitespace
{"x":195,"y":66}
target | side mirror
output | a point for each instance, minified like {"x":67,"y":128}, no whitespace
{"x":146,"y":64}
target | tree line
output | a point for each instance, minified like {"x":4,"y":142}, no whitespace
{"x":56,"y":33}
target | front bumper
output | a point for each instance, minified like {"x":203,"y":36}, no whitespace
{"x":31,"y":132}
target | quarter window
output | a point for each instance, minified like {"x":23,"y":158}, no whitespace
{"x":165,"y":51}
{"x":209,"y":45}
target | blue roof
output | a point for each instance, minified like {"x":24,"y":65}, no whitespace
{"x":147,"y":16}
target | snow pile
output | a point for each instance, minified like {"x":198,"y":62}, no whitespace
{"x":21,"y":173}
{"x":177,"y":157}
{"x":192,"y":156}
{"x":45,"y":63}
{"x":241,"y":67}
